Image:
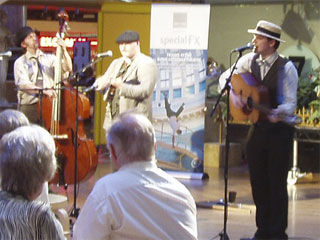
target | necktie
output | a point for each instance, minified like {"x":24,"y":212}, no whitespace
{"x":112,"y":90}
{"x":263,"y":67}
{"x":39,"y":78}
{"x":260,"y":62}
{"x":123,"y":69}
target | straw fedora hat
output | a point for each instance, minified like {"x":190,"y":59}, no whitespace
{"x":267,"y":29}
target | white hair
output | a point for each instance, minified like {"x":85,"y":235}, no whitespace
{"x":27,"y":160}
{"x":10,"y":119}
{"x":133,"y":138}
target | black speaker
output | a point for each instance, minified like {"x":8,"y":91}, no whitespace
{"x":309,"y":157}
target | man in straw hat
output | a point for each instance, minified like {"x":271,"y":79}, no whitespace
{"x":269,"y":144}
{"x":131,"y":77}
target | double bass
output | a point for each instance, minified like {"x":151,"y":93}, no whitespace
{"x":76,"y":154}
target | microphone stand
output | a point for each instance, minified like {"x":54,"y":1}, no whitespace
{"x":75,"y":211}
{"x":226,"y":88}
{"x":82,"y":70}
{"x":76,"y":76}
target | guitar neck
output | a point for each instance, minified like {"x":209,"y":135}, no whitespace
{"x":259,"y":107}
{"x":290,"y":119}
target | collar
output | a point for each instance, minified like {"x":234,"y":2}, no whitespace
{"x":267,"y":61}
{"x":126,"y":60}
{"x":139,"y":165}
{"x":134,"y":58}
{"x":38,"y":53}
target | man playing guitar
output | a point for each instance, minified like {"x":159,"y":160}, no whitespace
{"x":269,"y":140}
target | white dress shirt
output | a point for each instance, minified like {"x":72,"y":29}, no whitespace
{"x":139,"y":201}
{"x":26,"y":70}
{"x":287,"y":94}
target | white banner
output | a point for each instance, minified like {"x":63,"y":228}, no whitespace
{"x":181,"y":26}
{"x":179,"y":40}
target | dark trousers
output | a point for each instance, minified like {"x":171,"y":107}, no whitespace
{"x":30,"y":110}
{"x":269,"y":151}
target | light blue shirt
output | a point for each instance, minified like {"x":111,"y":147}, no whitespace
{"x":287,"y":96}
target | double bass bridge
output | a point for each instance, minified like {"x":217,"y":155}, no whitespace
{"x":60,"y":136}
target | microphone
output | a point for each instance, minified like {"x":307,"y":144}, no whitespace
{"x":241,"y":49}
{"x":105,"y":54}
{"x":6,"y":54}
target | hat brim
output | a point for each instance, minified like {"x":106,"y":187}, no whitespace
{"x":22,"y":34}
{"x":255,"y":31}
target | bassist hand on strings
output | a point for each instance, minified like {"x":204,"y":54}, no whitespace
{"x":62,"y":43}
{"x":50,"y":93}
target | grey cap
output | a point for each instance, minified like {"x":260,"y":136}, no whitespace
{"x":128,"y":36}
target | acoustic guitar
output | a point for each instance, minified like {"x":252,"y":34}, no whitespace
{"x":256,"y":99}
{"x":112,"y":89}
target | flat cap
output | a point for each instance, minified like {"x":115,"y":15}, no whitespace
{"x":128,"y":36}
{"x":22,"y":33}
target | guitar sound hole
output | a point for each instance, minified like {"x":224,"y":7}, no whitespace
{"x":249,"y":102}
{"x":247,"y":109}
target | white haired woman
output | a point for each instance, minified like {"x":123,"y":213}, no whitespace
{"x":10,"y":119}
{"x":27,"y":160}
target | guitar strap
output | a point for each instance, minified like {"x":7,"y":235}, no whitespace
{"x":114,"y":103}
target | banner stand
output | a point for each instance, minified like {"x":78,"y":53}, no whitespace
{"x":188,"y":175}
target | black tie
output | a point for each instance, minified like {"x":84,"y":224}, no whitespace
{"x":39,"y":79}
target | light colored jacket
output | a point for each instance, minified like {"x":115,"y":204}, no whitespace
{"x":136,"y":92}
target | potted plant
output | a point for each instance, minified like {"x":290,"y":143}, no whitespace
{"x":308,"y":97}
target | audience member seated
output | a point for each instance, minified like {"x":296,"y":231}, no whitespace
{"x":11,"y":119}
{"x":27,"y":160}
{"x":139,"y":201}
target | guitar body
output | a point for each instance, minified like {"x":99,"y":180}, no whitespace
{"x":251,"y":91}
